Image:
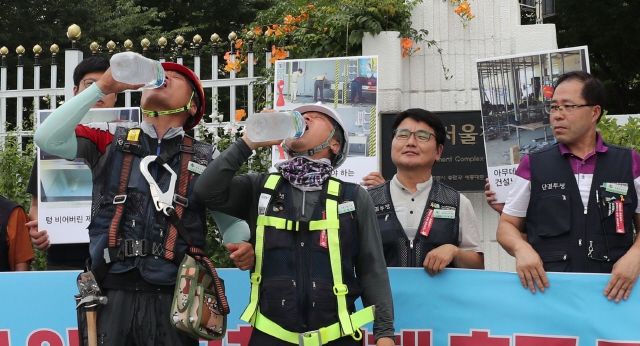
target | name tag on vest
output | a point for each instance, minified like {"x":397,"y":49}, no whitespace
{"x":195,"y":167}
{"x":346,"y":207}
{"x":444,"y":214}
{"x":620,"y":188}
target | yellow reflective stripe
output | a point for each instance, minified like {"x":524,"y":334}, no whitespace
{"x":333,"y":188}
{"x":320,"y":225}
{"x":267,"y":326}
{"x":256,"y":277}
{"x":278,"y":222}
{"x":272,"y":181}
{"x":327,"y":334}
{"x":333,"y":240}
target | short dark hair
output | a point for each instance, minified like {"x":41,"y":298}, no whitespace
{"x":300,"y":70}
{"x":423,"y":115}
{"x":89,"y":65}
{"x":593,"y":91}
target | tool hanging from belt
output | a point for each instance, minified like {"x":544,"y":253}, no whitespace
{"x":89,"y":298}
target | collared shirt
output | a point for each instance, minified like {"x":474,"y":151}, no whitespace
{"x":583,"y":168}
{"x":410,"y":207}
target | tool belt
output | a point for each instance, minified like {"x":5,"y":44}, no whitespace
{"x":195,"y":309}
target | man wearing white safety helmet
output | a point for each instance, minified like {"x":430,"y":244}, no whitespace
{"x":316,"y":239}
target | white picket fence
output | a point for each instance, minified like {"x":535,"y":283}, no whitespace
{"x":27,"y":98}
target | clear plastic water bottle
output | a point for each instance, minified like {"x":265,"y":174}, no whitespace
{"x":261,"y":127}
{"x":133,"y":68}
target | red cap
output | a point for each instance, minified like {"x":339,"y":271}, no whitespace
{"x":199,"y":92}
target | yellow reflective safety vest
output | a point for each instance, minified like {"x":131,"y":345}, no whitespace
{"x":303,"y":286}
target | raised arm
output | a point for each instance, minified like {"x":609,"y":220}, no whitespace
{"x":56,"y":135}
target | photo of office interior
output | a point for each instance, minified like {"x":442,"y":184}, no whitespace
{"x":348,"y":84}
{"x":515,"y":94}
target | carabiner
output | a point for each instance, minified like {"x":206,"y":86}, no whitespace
{"x":163,"y":201}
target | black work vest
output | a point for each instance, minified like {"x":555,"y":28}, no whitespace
{"x":296,"y":291}
{"x":565,"y":233}
{"x":140,"y":219}
{"x":399,"y":251}
{"x":6,"y":207}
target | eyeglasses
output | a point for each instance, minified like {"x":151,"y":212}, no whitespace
{"x":420,"y":135}
{"x":567,"y":109}
{"x":88,"y":82}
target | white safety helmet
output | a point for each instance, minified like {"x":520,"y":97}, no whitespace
{"x":341,"y":155}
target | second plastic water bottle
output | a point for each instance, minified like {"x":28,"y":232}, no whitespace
{"x":263,"y":127}
{"x":133,"y":68}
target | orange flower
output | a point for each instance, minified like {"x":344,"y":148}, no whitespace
{"x":257,"y":30}
{"x":278,"y":32}
{"x":463,"y":8}
{"x":238,"y":44}
{"x":405,"y":53}
{"x":277,"y":54}
{"x":233,"y":66}
{"x":310,"y":6}
{"x":269,"y":31}
{"x":298,"y":19}
{"x":275,"y":26}
{"x":406,"y":43}
{"x":288,"y":19}
{"x":325,"y":29}
{"x":227,"y":56}
{"x":240,"y":113}
{"x":304,"y":15}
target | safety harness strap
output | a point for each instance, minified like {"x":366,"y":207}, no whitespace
{"x":345,"y":324}
{"x":316,"y":337}
{"x":282,"y":223}
{"x":133,"y":138}
{"x":256,"y":277}
{"x":183,"y":180}
{"x":333,"y":239}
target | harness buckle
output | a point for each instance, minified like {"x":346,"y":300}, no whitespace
{"x":340,"y":290}
{"x":189,"y":149}
{"x":119,"y":199}
{"x":134,"y":248}
{"x":180,"y":200}
{"x":305,"y":337}
{"x":255,"y":278}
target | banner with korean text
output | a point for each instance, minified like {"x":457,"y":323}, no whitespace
{"x":456,"y":308}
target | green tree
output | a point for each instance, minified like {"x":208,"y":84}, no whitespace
{"x":609,"y":29}
{"x":337,"y":28}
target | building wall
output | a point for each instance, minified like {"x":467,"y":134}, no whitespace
{"x":419,"y":80}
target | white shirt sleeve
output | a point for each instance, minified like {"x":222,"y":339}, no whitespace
{"x":518,"y":201}
{"x":469,"y":235}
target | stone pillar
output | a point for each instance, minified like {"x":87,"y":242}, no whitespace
{"x":386,"y":46}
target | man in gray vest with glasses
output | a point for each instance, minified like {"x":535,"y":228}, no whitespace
{"x":423,"y":223}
